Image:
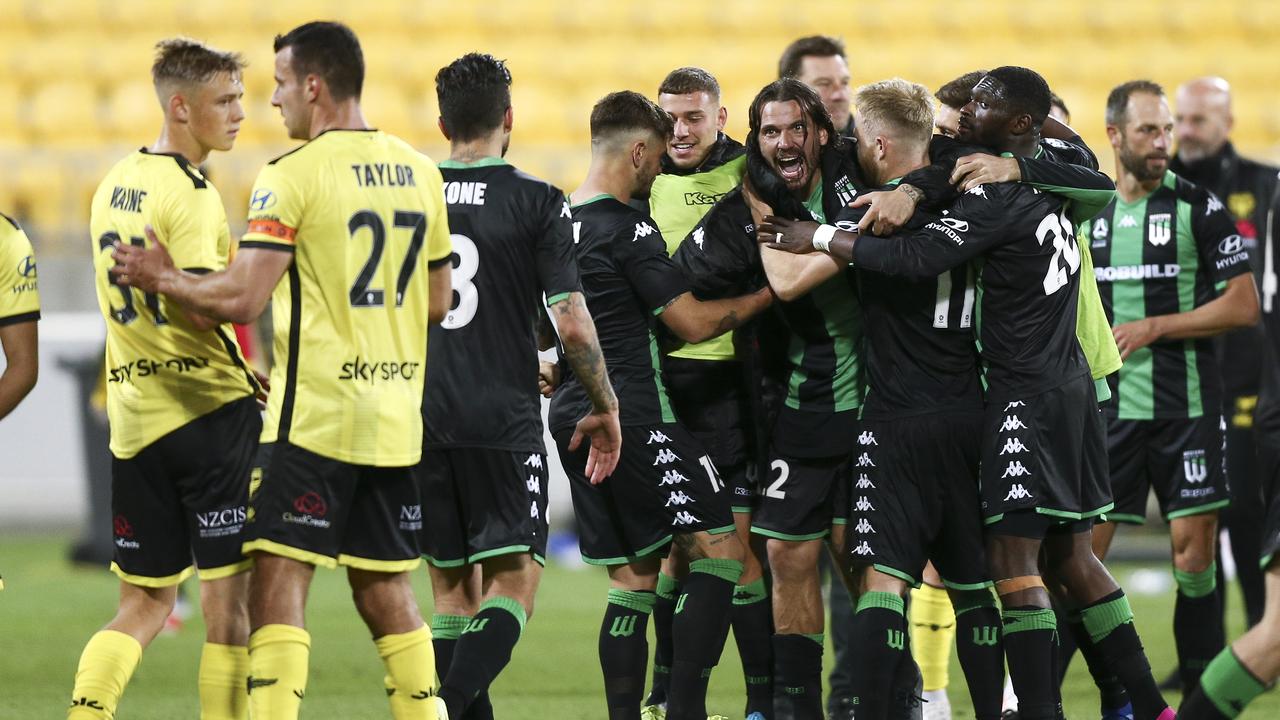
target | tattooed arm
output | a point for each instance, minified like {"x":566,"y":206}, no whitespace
{"x":582,"y":352}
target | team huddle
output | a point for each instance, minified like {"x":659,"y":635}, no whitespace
{"x":935,"y":341}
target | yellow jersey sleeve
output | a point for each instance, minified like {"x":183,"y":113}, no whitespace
{"x":1092,"y":329}
{"x":276,"y":208}
{"x":20,"y":301}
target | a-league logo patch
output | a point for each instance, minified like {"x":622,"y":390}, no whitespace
{"x":1194,"y":467}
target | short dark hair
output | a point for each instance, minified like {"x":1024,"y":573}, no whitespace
{"x":813,"y":45}
{"x":1056,"y":101}
{"x":330,"y":50}
{"x":627,"y":111}
{"x":1118,"y":100}
{"x":186,"y":61}
{"x":1027,"y":91}
{"x":957,"y":93}
{"x":685,"y":80}
{"x":474,"y":93}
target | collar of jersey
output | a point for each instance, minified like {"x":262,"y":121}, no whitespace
{"x":601,"y":196}
{"x":482,"y":162}
{"x":1169,"y":180}
{"x":177,"y":156}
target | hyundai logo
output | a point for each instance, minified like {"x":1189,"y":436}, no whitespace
{"x":261,"y":200}
{"x":27,"y":268}
{"x":1231,"y":245}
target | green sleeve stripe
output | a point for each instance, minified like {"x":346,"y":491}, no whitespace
{"x":559,"y":297}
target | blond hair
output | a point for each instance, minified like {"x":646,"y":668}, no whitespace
{"x":896,"y":105}
{"x":184,"y":61}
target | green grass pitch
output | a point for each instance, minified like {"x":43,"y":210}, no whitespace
{"x":50,"y":609}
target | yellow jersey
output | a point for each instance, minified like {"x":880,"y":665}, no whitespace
{"x":19,"y":289}
{"x":161,"y":371}
{"x":364,"y":214}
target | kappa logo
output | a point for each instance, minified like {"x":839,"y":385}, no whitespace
{"x":1012,"y":422}
{"x":532,"y":485}
{"x":1013,"y":446}
{"x":862,"y":548}
{"x":863,"y":504}
{"x":699,"y":235}
{"x":672,"y":477}
{"x":1017,"y":492}
{"x":657,"y":436}
{"x":1014,"y":404}
{"x":1127,"y":221}
{"x":979,"y":191}
{"x":533,"y":509}
{"x":534,"y":461}
{"x":1214,"y":205}
{"x":864,"y":527}
{"x":1015,"y":469}
{"x":565,"y":212}
{"x":684,"y":517}
{"x":1159,"y":228}
{"x":677,"y":498}
{"x":1194,"y":467}
{"x":643,"y":229}
{"x":867,"y":438}
{"x":665,"y":457}
{"x":864,"y":483}
{"x":864,"y":460}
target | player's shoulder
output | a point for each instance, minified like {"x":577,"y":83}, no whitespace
{"x":8,"y":225}
{"x":1194,"y":194}
{"x":729,"y":210}
{"x":1073,"y":151}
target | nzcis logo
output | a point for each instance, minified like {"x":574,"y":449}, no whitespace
{"x":311,"y":511}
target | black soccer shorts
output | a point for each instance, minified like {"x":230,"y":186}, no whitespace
{"x":665,"y":484}
{"x":481,"y":503}
{"x":1046,"y":453}
{"x":327,"y":512}
{"x":709,"y":398}
{"x":916,"y":499}
{"x":1181,"y":460}
{"x":803,"y":497}
{"x":185,"y":495}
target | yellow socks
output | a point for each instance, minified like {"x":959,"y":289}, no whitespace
{"x":278,"y":657}
{"x":224,"y":671}
{"x":107,"y":663}
{"x":411,"y":674}
{"x":933,"y":626}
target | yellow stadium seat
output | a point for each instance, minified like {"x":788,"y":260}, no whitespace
{"x":40,"y":199}
{"x":38,"y":59}
{"x":10,"y":108}
{"x":154,"y":17}
{"x":127,"y":59}
{"x":50,"y":15}
{"x":132,"y":114}
{"x":64,"y":113}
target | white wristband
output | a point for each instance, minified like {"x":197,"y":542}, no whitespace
{"x":822,"y":237}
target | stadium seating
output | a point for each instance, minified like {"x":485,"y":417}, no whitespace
{"x":74,"y":91}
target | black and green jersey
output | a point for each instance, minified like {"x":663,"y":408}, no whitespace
{"x":1169,"y":252}
{"x":628,"y":281}
{"x":679,"y":200}
{"x":825,"y":340}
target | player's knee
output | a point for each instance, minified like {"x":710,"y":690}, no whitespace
{"x":873,"y":580}
{"x":791,"y":559}
{"x":146,"y":606}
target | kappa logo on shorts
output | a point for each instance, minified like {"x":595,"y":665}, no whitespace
{"x":410,"y":517}
{"x":1012,"y":422}
{"x":672,"y":477}
{"x":1014,"y":404}
{"x":311,"y":511}
{"x":532,"y":485}
{"x":665,"y":457}
{"x":862,"y":548}
{"x":1194,"y":466}
{"x":657,"y":436}
{"x":534,"y":461}
{"x":864,"y":460}
{"x":867,"y":438}
{"x":1015,"y":469}
{"x":864,"y":483}
{"x":864,"y":527}
{"x":863,"y":504}
{"x":1013,"y":446}
{"x":533,"y":509}
{"x":684,"y":517}
{"x":678,"y":497}
{"x":1017,"y":492}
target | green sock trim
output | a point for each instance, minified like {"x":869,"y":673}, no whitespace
{"x":1101,"y":619}
{"x":965,"y":600}
{"x":1016,"y":621}
{"x":1197,"y":584}
{"x":727,"y":570}
{"x":667,"y":586}
{"x":510,"y":605}
{"x":448,"y":627}
{"x":638,"y":600}
{"x":816,"y":637}
{"x":1229,"y":685}
{"x":888,"y":601}
{"x":751,"y":593}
